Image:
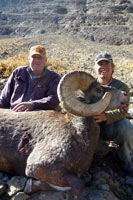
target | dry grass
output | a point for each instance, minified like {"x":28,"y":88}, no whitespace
{"x":11,"y":63}
{"x":57,"y":66}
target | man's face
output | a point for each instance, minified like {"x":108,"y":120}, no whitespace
{"x":37,"y":64}
{"x":104,"y":69}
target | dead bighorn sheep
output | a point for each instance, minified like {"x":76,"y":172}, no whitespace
{"x":53,"y":147}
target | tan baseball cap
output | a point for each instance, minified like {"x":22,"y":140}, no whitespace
{"x":39,"y":50}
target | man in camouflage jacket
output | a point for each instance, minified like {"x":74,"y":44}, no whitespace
{"x":114,"y":125}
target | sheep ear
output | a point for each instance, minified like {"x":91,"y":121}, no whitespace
{"x":67,"y":87}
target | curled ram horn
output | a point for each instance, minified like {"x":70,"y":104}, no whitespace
{"x":79,"y":80}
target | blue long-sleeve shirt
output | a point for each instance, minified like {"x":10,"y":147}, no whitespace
{"x":22,"y":87}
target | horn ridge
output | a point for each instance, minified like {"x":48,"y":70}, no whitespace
{"x":72,"y":82}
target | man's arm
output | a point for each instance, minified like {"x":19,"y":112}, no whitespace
{"x":118,"y":114}
{"x":112,"y":116}
{"x":7,"y":92}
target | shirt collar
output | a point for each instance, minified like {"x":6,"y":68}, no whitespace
{"x":33,"y":76}
{"x":107,"y":83}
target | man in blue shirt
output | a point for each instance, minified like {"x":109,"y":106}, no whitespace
{"x":32,"y":87}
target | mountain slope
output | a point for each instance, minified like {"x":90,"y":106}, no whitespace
{"x":105,"y":21}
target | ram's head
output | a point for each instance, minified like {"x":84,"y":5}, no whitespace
{"x":82,"y":95}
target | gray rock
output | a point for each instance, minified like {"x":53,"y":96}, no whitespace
{"x":129,"y":181}
{"x":16,"y":184}
{"x":3,"y":188}
{"x":35,"y":186}
{"x":104,"y":187}
{"x":20,"y":196}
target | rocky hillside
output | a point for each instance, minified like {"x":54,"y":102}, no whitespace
{"x":107,"y":21}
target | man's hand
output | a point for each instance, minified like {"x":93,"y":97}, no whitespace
{"x":23,"y":107}
{"x":100,"y":118}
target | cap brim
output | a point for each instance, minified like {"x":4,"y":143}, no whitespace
{"x":36,"y":53}
{"x":97,"y":61}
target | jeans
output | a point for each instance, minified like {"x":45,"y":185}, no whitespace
{"x":121,"y":132}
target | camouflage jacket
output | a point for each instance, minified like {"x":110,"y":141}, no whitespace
{"x":117,"y":114}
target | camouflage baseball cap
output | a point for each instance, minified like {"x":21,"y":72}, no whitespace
{"x":39,"y":50}
{"x":104,"y":56}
